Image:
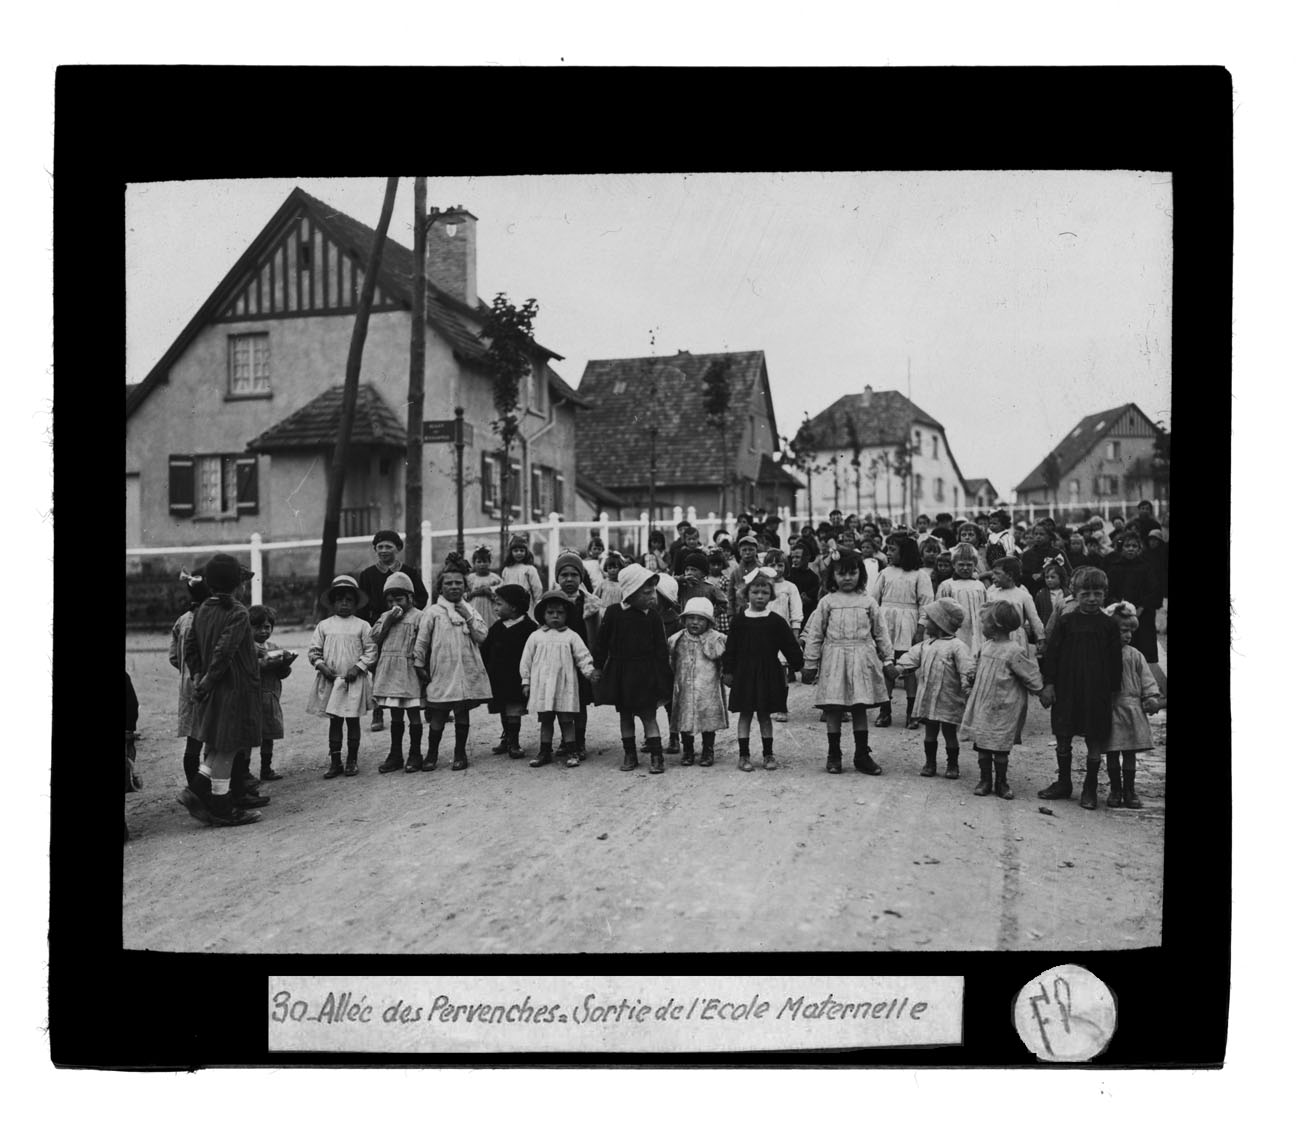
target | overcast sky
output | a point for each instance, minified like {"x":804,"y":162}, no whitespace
{"x":1020,"y":300}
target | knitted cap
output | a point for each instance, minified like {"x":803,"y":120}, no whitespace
{"x":568,"y":559}
{"x":696,"y":559}
{"x":947,"y":615}
{"x":399,"y":580}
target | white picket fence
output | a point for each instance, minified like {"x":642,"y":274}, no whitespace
{"x":550,"y":532}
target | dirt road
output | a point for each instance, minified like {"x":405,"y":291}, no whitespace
{"x":500,"y":858}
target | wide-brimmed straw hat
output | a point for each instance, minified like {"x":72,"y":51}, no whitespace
{"x":947,"y":615}
{"x":634,"y":577}
{"x":339,"y":583}
{"x":552,"y":596}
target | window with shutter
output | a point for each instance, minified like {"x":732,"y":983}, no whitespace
{"x":517,"y":489}
{"x":558,"y":493}
{"x":248,"y":489}
{"x":488,"y":482}
{"x":182,"y":486}
{"x":536,"y":481}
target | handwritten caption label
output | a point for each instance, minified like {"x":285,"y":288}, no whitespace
{"x":1065,"y":1015}
{"x":610,"y":1013}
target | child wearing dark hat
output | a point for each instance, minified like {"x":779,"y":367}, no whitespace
{"x":945,"y":671}
{"x":695,"y":581}
{"x":519,"y":568}
{"x":751,"y":667}
{"x":584,"y":614}
{"x":997,"y":705}
{"x":501,"y":651}
{"x":199,"y":593}
{"x":554,"y":659}
{"x":1138,"y":695}
{"x":846,"y":648}
{"x":698,"y":704}
{"x":396,"y":685}
{"x":449,"y":663}
{"x":481,"y":585}
{"x":275,"y":665}
{"x":1083,"y":675}
{"x":342,"y":651}
{"x":220,"y":654}
{"x":636,"y":667}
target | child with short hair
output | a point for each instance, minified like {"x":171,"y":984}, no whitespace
{"x":481,"y":584}
{"x":945,"y":670}
{"x":199,"y":593}
{"x":593,"y":555}
{"x":751,"y":666}
{"x":219,"y":652}
{"x":997,"y":705}
{"x":583,"y":616}
{"x":942,"y":570}
{"x":342,"y":653}
{"x":1083,"y":674}
{"x":550,"y":665}
{"x":902,"y":592}
{"x":1005,"y":586}
{"x":396,"y":684}
{"x":519,"y":568}
{"x":846,"y":645}
{"x":636,"y":667}
{"x":698,"y":705}
{"x":450,"y":666}
{"x":275,"y":664}
{"x":502,"y":650}
{"x":1054,"y":589}
{"x":609,"y":592}
{"x":1138,"y":695}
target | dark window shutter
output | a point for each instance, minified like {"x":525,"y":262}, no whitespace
{"x":182,"y":486}
{"x":558,"y":493}
{"x":248,"y":489}
{"x":536,"y":492}
{"x":486,"y":482}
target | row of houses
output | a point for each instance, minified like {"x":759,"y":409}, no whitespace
{"x":232,"y":431}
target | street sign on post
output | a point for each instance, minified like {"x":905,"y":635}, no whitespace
{"x":447,"y":432}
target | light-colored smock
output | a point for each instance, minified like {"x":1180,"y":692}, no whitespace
{"x":527,"y":577}
{"x":548,"y":667}
{"x":970,"y":595}
{"x":699,"y":701}
{"x":1131,"y":728}
{"x":846,"y":642}
{"x":1021,"y":599}
{"x":480,"y":595}
{"x":396,"y":685}
{"x":186,"y":691}
{"x":945,"y":670}
{"x":997,"y":705}
{"x":447,"y":645}
{"x":902,"y":597}
{"x":341,"y":644}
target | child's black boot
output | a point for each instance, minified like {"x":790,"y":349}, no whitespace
{"x":1129,"y":797}
{"x":394,"y":760}
{"x":544,"y":756}
{"x":1090,"y":789}
{"x":745,"y":764}
{"x":928,"y":746}
{"x":834,"y":757}
{"x":951,"y":763}
{"x":1002,"y":789}
{"x":1115,"y":798}
{"x":769,"y":755}
{"x":686,"y":749}
{"x":709,"y":750}
{"x":435,"y":738}
{"x":459,"y":760}
{"x":656,"y":765}
{"x":224,"y":813}
{"x":572,"y":754}
{"x":631,"y":760}
{"x":1061,"y":788}
{"x":883,"y":718}
{"x":909,"y":721}
{"x":267,"y":771}
{"x":335,"y":762}
{"x":414,"y":761}
{"x":196,"y":796}
{"x":986,"y":785}
{"x":353,"y":753}
{"x":862,"y":760}
{"x":673,"y":744}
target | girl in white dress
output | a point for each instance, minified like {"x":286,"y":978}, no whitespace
{"x":342,"y":652}
{"x":548,"y":679}
{"x":902,"y":592}
{"x":968,"y":593}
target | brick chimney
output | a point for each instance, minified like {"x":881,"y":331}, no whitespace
{"x":866,"y":395}
{"x":450,"y":253}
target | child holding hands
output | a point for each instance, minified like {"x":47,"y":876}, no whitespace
{"x":1137,"y":696}
{"x":549,"y":664}
{"x":699,"y":703}
{"x":945,"y":670}
{"x":342,"y":652}
{"x":275,"y":664}
{"x":397,"y":686}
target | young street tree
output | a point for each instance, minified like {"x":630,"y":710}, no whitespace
{"x":855,"y":446}
{"x":510,"y":333}
{"x":716,"y":403}
{"x":803,"y":454}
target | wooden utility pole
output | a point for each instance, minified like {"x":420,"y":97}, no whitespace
{"x":415,"y":393}
{"x":328,"y":552}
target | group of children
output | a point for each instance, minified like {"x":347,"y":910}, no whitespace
{"x":617,"y":632}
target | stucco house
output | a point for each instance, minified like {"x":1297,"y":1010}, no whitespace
{"x":1105,"y":458}
{"x":233,"y":429}
{"x":904,"y":468}
{"x":981,"y":494}
{"x":647,"y":429}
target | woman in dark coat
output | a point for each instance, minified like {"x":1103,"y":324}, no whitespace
{"x":1134,"y":576}
{"x":221,"y":657}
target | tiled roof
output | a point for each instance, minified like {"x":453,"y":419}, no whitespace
{"x":1077,"y":444}
{"x":881,"y":418}
{"x":315,"y":425}
{"x":769,"y":472}
{"x":975,"y":485}
{"x":596,"y":491}
{"x":628,"y":395}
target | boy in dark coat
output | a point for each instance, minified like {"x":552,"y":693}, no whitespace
{"x":502,"y":650}
{"x":584,"y":615}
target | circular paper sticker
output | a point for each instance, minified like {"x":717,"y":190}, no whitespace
{"x":1065,"y":1015}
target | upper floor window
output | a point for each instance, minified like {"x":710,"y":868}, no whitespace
{"x":917,"y":442}
{"x":917,"y":488}
{"x":536,"y":389}
{"x":935,"y":447}
{"x":248,"y":365}
{"x":1112,"y":449}
{"x":939,"y":490}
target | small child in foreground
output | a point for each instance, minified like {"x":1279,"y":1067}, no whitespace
{"x":275,"y":664}
{"x":699,"y":702}
{"x":502,"y":650}
{"x":1137,"y":696}
{"x":553,"y":657}
{"x":997,"y":706}
{"x":945,"y":671}
{"x":342,"y":652}
{"x":397,"y":686}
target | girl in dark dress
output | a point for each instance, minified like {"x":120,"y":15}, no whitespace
{"x":501,"y":653}
{"x":1082,"y":670}
{"x":1133,"y":576}
{"x":636,"y":666}
{"x":751,"y":667}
